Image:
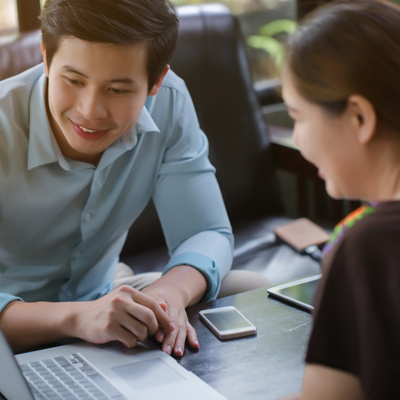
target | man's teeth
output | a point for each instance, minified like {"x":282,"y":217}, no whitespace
{"x":87,"y":130}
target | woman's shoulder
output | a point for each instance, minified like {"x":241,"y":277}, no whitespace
{"x":380,"y":226}
{"x":367,"y":242}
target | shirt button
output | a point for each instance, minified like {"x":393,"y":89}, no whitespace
{"x":87,"y":217}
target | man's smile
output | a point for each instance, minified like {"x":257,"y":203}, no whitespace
{"x":87,"y":133}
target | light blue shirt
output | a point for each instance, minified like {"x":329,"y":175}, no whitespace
{"x":63,"y":222}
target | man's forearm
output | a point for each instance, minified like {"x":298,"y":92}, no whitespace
{"x":31,"y":324}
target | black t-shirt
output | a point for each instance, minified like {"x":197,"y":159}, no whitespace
{"x":357,"y":314}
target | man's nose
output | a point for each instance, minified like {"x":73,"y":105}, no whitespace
{"x":92,"y":104}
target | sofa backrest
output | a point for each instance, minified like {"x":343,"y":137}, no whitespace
{"x":20,"y":54}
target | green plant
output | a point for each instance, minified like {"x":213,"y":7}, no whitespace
{"x":268,"y":39}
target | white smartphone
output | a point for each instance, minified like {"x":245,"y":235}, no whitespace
{"x":227,"y":322}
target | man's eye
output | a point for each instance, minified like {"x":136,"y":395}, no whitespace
{"x":72,"y":82}
{"x":118,"y":91}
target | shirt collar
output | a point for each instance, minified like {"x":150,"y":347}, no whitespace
{"x":43,"y":147}
{"x":146,"y":123}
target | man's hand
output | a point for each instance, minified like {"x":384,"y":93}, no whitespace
{"x":174,"y":341}
{"x":125,"y":314}
{"x":180,"y":287}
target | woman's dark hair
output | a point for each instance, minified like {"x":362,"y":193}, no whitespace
{"x":345,"y":48}
{"x":153,"y":22}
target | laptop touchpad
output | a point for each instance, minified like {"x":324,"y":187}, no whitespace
{"x":148,"y":374}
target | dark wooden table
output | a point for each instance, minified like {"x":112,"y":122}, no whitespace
{"x":266,"y":366}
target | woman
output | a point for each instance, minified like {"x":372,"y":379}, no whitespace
{"x":341,"y":87}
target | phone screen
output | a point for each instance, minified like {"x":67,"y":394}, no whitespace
{"x":225,"y":320}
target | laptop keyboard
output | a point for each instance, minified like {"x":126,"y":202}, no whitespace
{"x":68,"y":378}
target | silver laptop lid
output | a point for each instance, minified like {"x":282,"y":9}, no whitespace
{"x":12,"y":383}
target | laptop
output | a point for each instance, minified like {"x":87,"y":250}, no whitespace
{"x":86,"y":371}
{"x":298,"y":292}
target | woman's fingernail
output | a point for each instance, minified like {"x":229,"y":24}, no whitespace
{"x":168,"y":349}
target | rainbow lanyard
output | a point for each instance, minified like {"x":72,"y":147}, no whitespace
{"x":347,"y":223}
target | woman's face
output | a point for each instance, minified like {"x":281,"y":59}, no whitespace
{"x":325,"y":140}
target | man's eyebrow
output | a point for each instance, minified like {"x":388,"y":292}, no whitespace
{"x":128,"y":81}
{"x":123,"y":80}
{"x":71,"y":69}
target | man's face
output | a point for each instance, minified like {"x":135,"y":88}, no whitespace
{"x":96,"y":92}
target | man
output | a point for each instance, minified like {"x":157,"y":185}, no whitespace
{"x":88,"y":139}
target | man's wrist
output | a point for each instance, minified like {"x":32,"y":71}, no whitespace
{"x":203,"y":265}
{"x":188,"y":280}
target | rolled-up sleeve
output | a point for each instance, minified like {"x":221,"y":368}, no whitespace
{"x":5,"y":299}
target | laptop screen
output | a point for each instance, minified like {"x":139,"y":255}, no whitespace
{"x":12,"y":383}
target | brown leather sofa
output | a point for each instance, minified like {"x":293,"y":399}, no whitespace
{"x":211,"y":58}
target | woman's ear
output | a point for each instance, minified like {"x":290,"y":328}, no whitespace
{"x":363,"y":117}
{"x":46,"y":68}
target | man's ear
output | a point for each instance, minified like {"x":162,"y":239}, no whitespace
{"x":363,"y":117}
{"x":46,"y":68}
{"x":156,"y":87}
